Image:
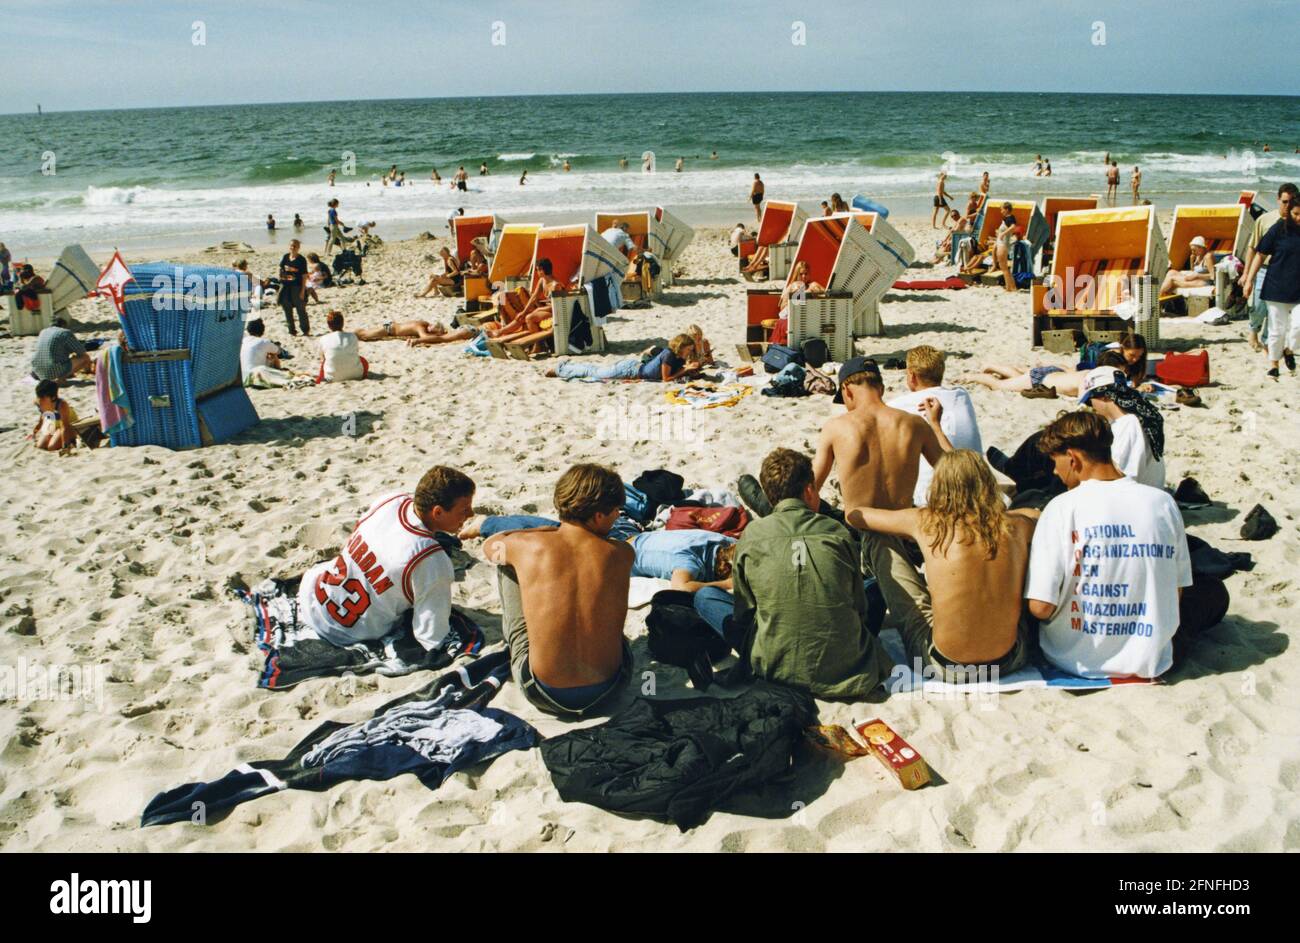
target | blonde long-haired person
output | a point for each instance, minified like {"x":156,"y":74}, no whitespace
{"x":969,"y":621}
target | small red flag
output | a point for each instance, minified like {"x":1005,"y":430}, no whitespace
{"x":112,"y":281}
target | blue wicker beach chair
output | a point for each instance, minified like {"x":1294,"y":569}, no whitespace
{"x":183,"y":328}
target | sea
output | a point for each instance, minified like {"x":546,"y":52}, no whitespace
{"x":152,"y":179}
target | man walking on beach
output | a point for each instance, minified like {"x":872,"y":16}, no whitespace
{"x":756,"y":197}
{"x":876,"y":451}
{"x":564,"y":596}
{"x":1112,"y":182}
{"x":293,"y":278}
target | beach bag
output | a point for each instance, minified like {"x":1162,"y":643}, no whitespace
{"x":1192,"y":369}
{"x":676,"y":634}
{"x":636,"y":505}
{"x":777,"y":357}
{"x":815,"y":352}
{"x":725,"y":519}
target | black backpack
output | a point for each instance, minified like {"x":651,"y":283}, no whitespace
{"x":677,"y":635}
{"x":815,"y":352}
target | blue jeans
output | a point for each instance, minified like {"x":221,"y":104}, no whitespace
{"x":494,"y":524}
{"x":1258,"y":309}
{"x":628,"y":369}
{"x":717,"y":607}
{"x":500,"y":523}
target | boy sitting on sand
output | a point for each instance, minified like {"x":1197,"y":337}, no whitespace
{"x":564,"y":597}
{"x":965,"y":618}
{"x":1110,"y":575}
{"x":799,"y":596}
{"x":392,"y":564}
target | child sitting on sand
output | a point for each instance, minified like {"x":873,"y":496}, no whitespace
{"x":53,"y":431}
{"x":674,"y":362}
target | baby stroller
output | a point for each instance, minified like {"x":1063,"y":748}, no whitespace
{"x":347,"y":262}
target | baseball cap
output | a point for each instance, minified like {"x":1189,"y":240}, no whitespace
{"x":1199,"y":242}
{"x":1097,"y":379}
{"x":851,"y":366}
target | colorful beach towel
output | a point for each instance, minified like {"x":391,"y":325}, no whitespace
{"x":433,"y":732}
{"x":930,"y":284}
{"x":904,"y":679}
{"x":295,"y":653}
{"x":703,"y":395}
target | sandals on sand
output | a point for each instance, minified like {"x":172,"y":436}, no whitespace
{"x":1039,"y":391}
{"x":1188,"y":397}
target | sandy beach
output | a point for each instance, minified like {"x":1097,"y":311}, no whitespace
{"x":117,"y":560}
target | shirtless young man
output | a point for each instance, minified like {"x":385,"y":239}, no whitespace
{"x":564,"y":596}
{"x":876,"y":451}
{"x":969,"y":623}
{"x":941,"y":198}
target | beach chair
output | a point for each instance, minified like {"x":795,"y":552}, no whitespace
{"x":844,"y":257}
{"x":676,"y":236}
{"x":72,"y":279}
{"x":959,"y":239}
{"x":1027,"y":214}
{"x":465,"y":229}
{"x":779,"y":230}
{"x":579,"y":255}
{"x":761,"y":314}
{"x":647,"y":237}
{"x":24,"y":323}
{"x":183,"y":326}
{"x":1226,"y":230}
{"x":1100,"y":255}
{"x":1054,"y":205}
{"x":889,"y":237}
{"x":512,"y":264}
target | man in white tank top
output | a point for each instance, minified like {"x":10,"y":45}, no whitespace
{"x":392,"y":563}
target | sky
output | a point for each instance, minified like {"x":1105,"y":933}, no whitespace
{"x":133,"y":54}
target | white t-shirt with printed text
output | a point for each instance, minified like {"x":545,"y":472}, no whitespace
{"x":1112,"y":556}
{"x":391,"y":564}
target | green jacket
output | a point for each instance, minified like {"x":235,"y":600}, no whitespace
{"x":798,"y":588}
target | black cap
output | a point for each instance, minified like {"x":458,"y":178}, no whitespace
{"x":851,"y":366}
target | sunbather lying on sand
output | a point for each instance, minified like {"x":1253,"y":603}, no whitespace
{"x":1063,"y":380}
{"x":441,"y":334}
{"x":408,"y":330}
{"x":674,"y":362}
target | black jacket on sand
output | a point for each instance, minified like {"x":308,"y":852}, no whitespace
{"x":678,"y":760}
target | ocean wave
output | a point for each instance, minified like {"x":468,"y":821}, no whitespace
{"x":112,"y":196}
{"x":514,"y":157}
